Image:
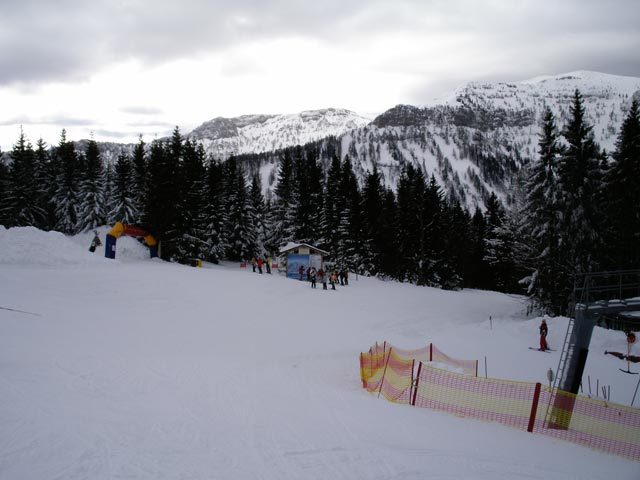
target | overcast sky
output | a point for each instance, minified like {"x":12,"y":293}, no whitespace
{"x":119,"y":68}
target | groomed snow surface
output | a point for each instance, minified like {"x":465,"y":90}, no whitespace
{"x":141,"y":369}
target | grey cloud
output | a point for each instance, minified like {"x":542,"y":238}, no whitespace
{"x":65,"y":120}
{"x":141,"y":110}
{"x":69,"y":39}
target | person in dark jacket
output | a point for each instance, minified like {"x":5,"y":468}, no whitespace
{"x":544,"y":330}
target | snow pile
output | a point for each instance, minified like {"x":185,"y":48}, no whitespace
{"x":30,"y":246}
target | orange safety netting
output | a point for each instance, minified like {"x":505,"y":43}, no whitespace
{"x":594,"y":423}
{"x":591,"y":422}
{"x":387,"y":373}
{"x":389,"y":370}
{"x":486,"y":399}
{"x":470,"y":367}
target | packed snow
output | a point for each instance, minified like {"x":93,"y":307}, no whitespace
{"x":142,"y":369}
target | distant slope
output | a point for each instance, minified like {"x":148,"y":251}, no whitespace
{"x":476,"y":139}
{"x":223,"y":137}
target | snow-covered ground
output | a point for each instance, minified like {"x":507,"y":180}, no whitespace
{"x":140,"y":369}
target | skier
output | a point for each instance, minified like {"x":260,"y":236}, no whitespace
{"x":95,"y":242}
{"x":259,"y":262}
{"x":253,"y":264}
{"x":301,"y":271}
{"x":543,"y":335}
{"x":322,"y":278}
{"x":313,"y":277}
{"x":268,"y":264}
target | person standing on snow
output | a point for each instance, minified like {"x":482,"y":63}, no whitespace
{"x":322,"y":278}
{"x":95,"y":242}
{"x":313,"y":277}
{"x":544,"y":330}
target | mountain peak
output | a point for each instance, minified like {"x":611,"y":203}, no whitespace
{"x":223,"y":137}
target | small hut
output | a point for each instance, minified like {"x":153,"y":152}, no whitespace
{"x":293,"y":255}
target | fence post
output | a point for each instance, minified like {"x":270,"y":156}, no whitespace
{"x":362,"y":369}
{"x":534,"y":407}
{"x":431,"y":352}
{"x":476,"y":368}
{"x":384,"y":373}
{"x":415,"y":390}
{"x":413,"y":364}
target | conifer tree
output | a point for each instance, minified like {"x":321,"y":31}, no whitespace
{"x":4,"y":191}
{"x":161,"y":199}
{"x":124,"y":207}
{"x":578,"y":174}
{"x":349,"y":243}
{"x":498,"y":246}
{"x":452,"y":268}
{"x":372,"y":211}
{"x":624,"y":195}
{"x":91,"y":191}
{"x":67,"y":185}
{"x":476,"y":271}
{"x":331,"y":207}
{"x":23,"y":193}
{"x":191,"y":224}
{"x":215,"y":213}
{"x":46,"y":174}
{"x":411,"y":226}
{"x":541,"y":219}
{"x":259,"y":215}
{"x":139,"y":187}
{"x":285,"y":207}
{"x":241,"y":241}
{"x":388,"y":235}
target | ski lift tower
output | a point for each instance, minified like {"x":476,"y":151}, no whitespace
{"x":596,"y":297}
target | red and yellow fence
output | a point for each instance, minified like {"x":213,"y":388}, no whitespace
{"x":390,"y":371}
{"x":532,"y":407}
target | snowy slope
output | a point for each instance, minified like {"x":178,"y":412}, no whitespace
{"x":223,"y":137}
{"x":476,"y":139}
{"x":141,"y":369}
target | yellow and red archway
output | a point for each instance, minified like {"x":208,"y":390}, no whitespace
{"x":133,"y":231}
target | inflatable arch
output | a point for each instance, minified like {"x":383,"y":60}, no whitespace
{"x":122,"y":229}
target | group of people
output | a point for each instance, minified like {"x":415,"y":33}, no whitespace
{"x":322,"y":277}
{"x":259,"y":262}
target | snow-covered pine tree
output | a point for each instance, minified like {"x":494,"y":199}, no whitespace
{"x":258,"y":214}
{"x":307,"y":195}
{"x":124,"y":208}
{"x":23,"y":192}
{"x":162,"y":198}
{"x":191,"y":213}
{"x":46,"y":175}
{"x":331,"y":205}
{"x":4,"y":189}
{"x":541,"y":220}
{"x":284,"y":213}
{"x":499,"y":247}
{"x":215,"y":213}
{"x":349,"y":245}
{"x":65,"y":197}
{"x":373,"y":228}
{"x":623,"y":194}
{"x":411,"y":202}
{"x":580,"y":243}
{"x":239,"y":229}
{"x":91,"y":193}
{"x":139,"y":187}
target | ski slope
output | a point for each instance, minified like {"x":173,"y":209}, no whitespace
{"x":140,"y":369}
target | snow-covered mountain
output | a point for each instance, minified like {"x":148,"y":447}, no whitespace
{"x":473,"y":141}
{"x":476,"y":139}
{"x":223,"y":137}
